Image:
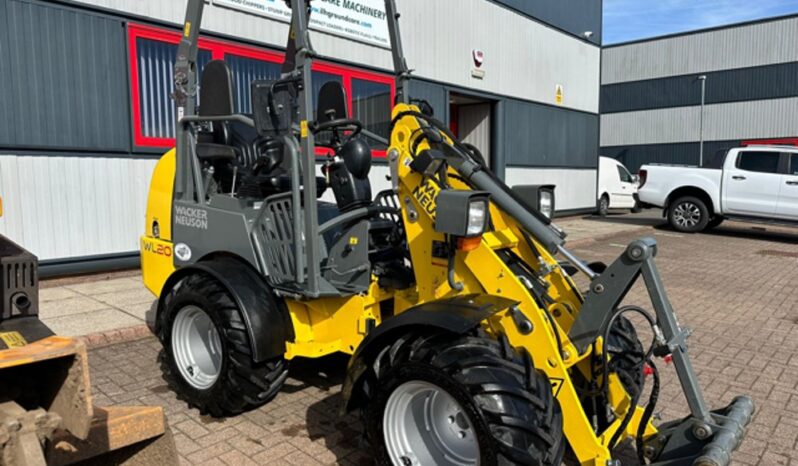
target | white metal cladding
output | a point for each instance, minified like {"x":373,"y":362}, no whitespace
{"x":757,"y":44}
{"x":523,"y":58}
{"x":73,"y":206}
{"x":740,"y":120}
{"x":576,"y":188}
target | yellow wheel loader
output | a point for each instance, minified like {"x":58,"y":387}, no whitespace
{"x":453,"y":294}
{"x":46,"y":410}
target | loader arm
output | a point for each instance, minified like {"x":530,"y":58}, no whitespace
{"x":561,"y":329}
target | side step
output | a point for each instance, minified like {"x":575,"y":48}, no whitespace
{"x":762,"y":221}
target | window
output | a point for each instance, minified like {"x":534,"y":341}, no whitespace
{"x":152,"y":57}
{"x":245,"y":70}
{"x":624,"y":175}
{"x":764,"y":162}
{"x":794,"y":164}
{"x":371,"y":104}
{"x":156,"y":61}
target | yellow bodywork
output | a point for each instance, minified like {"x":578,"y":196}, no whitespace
{"x":330,"y":325}
{"x":157,"y":261}
{"x":482,"y":271}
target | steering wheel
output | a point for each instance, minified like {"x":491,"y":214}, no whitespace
{"x":340,"y":124}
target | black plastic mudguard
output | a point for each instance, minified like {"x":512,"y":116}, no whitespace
{"x":268,"y":328}
{"x":457,"y":315}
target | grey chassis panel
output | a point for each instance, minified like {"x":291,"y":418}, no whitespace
{"x":348,"y":267}
{"x":268,"y":328}
{"x":457,"y":315}
{"x":220,"y":226}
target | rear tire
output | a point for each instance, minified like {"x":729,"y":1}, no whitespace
{"x":234,"y":383}
{"x":502,"y":409}
{"x":688,"y":214}
{"x":604,"y":205}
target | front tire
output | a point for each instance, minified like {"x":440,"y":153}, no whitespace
{"x":207,"y":356}
{"x":688,"y":214}
{"x":626,"y":356}
{"x":448,"y":400}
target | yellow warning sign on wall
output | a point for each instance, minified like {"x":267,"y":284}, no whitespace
{"x":558,"y":94}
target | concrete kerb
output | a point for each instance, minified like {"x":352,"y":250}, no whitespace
{"x":112,"y":337}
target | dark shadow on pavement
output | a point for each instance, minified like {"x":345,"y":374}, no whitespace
{"x":752,"y":231}
{"x":325,"y":373}
{"x":646,"y":218}
{"x":342,"y":434}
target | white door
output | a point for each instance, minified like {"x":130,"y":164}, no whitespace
{"x":474,"y":127}
{"x":787,"y":207}
{"x":622,"y":192}
{"x":751,"y":184}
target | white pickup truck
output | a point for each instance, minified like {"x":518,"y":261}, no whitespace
{"x":755,"y":183}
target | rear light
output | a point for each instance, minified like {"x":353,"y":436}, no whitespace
{"x":642,"y":175}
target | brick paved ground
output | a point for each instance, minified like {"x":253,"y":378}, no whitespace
{"x":736,"y":288}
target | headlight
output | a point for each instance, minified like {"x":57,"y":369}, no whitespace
{"x":538,"y":198}
{"x":477,"y":216}
{"x":546,"y":203}
{"x":462,"y":213}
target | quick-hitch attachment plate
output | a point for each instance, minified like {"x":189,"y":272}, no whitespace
{"x":691,"y":441}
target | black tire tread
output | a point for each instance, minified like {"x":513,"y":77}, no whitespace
{"x":514,"y":399}
{"x":245,"y":385}
{"x":626,"y":354}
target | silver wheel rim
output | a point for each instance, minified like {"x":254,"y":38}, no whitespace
{"x":424,"y":425}
{"x":196,"y":347}
{"x":687,"y":215}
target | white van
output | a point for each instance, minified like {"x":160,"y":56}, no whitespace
{"x":617,"y":188}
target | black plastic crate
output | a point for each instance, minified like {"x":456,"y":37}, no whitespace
{"x":19,"y":281}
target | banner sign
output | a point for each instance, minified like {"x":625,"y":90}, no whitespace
{"x":361,"y":20}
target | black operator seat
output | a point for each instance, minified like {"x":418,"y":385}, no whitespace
{"x":226,"y":141}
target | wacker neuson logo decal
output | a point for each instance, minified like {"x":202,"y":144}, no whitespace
{"x":191,"y":217}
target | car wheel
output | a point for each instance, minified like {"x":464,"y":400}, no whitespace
{"x":688,"y":214}
{"x":604,"y":205}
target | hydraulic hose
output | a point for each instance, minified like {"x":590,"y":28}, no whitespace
{"x":483,"y":180}
{"x":454,"y":284}
{"x":647,"y":413}
{"x":605,"y":365}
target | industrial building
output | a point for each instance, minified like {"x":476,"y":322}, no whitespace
{"x":86,"y":111}
{"x":651,"y":93}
